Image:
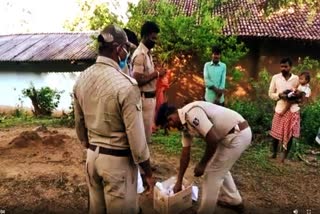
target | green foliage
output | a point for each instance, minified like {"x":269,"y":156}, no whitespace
{"x":182,"y":35}
{"x":259,"y":108}
{"x":44,"y":100}
{"x":25,"y":120}
{"x":93,"y":16}
{"x":313,"y":66}
{"x":310,"y":122}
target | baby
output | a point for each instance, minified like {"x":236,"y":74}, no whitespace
{"x":297,"y":95}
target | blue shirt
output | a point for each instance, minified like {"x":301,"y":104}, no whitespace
{"x":214,"y":75}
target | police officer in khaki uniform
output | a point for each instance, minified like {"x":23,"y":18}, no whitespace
{"x":108,"y":115}
{"x":227,"y":135}
{"x":145,"y":74}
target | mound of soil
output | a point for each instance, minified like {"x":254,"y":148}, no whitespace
{"x":25,"y":139}
{"x":54,"y":139}
{"x":32,"y":138}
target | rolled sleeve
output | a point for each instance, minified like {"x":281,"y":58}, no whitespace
{"x":133,"y":120}
{"x":273,"y":94}
{"x":138,"y":64}
{"x":199,"y":121}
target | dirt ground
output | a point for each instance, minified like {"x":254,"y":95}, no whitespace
{"x":43,"y":172}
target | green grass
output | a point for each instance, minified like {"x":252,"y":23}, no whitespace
{"x":257,"y":157}
{"x":25,"y":120}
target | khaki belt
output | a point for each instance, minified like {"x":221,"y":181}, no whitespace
{"x":113,"y":152}
{"x":242,"y":125}
{"x":148,"y":94}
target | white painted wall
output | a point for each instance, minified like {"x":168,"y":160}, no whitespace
{"x":12,"y":83}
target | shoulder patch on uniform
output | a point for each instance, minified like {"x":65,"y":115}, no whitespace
{"x":196,"y":122}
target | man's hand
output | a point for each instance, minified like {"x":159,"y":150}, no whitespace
{"x":216,"y":90}
{"x":177,"y":187}
{"x":199,"y":170}
{"x":282,"y":96}
{"x":150,"y":185}
{"x":216,"y":101}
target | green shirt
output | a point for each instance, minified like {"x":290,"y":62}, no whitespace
{"x":214,"y":75}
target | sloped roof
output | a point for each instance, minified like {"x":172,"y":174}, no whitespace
{"x":246,"y":18}
{"x":46,"y":47}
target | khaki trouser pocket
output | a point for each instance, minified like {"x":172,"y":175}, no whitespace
{"x":115,"y":182}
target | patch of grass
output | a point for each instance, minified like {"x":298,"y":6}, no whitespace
{"x":26,"y":120}
{"x":170,"y":144}
{"x":257,"y":157}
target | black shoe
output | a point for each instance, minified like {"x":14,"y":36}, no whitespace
{"x":237,"y":208}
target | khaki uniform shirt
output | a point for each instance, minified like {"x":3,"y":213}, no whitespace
{"x":199,"y":117}
{"x":108,"y":104}
{"x":278,"y":85}
{"x":142,"y":63}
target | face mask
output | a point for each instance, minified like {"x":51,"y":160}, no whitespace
{"x":150,"y":44}
{"x":123,"y":63}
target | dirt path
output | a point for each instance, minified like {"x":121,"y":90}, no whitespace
{"x":42,"y":172}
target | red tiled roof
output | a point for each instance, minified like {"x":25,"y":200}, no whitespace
{"x":46,"y":47}
{"x":246,"y":18}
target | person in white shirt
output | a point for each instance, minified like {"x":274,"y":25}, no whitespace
{"x":284,"y":127}
{"x":298,"y":95}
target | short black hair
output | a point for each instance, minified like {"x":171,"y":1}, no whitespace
{"x":132,"y":37}
{"x":216,"y":50}
{"x":306,"y":74}
{"x":286,"y":60}
{"x":148,"y":28}
{"x":164,"y":111}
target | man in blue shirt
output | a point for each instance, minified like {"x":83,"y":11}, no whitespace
{"x":214,"y":73}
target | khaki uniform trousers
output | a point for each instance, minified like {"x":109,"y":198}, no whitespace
{"x":112,"y":183}
{"x":148,"y":111}
{"x":218,"y":181}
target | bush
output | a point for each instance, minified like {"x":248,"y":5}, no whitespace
{"x":259,"y":108}
{"x":258,"y":116}
{"x":44,"y":100}
{"x":310,"y":122}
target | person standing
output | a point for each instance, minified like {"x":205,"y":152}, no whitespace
{"x":227,"y":135}
{"x":284,"y":127}
{"x":133,"y":39}
{"x":108,"y":118}
{"x":145,"y":74}
{"x":214,"y":73}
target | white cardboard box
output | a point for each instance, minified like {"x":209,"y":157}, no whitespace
{"x":176,"y":203}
